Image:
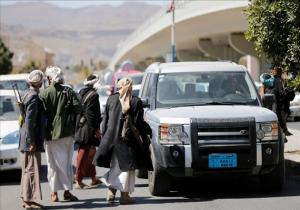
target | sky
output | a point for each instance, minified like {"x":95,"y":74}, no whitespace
{"x":83,"y":3}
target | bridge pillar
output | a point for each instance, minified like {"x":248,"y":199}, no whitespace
{"x":143,"y":64}
{"x":256,"y":65}
{"x":238,"y":42}
{"x":218,"y":51}
{"x":252,"y":64}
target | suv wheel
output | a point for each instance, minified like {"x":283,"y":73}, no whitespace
{"x":158,"y":181}
{"x":274,"y":181}
{"x":141,"y":173}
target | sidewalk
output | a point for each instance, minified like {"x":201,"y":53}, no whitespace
{"x":292,"y":147}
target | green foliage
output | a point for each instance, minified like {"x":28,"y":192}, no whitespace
{"x":32,"y":65}
{"x":274,"y":27}
{"x":295,"y":83}
{"x":84,"y":72}
{"x":76,"y":68}
{"x":5,"y":59}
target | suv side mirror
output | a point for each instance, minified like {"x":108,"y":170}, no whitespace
{"x":145,"y":103}
{"x":268,"y":100}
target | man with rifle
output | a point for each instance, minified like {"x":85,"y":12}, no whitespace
{"x":32,"y":134}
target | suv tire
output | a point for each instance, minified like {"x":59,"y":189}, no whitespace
{"x":274,"y":181}
{"x":141,"y":173}
{"x":158,"y":181}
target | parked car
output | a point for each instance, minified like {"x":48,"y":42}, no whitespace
{"x":104,"y":92}
{"x":7,"y":81}
{"x":137,"y":81}
{"x":9,"y":158}
{"x":218,"y":128}
{"x":9,"y":129}
{"x":119,"y":75}
{"x":295,"y":108}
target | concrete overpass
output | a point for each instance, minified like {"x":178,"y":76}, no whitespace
{"x":205,"y":30}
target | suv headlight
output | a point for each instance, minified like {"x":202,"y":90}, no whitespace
{"x":267,"y":131}
{"x":172,"y":134}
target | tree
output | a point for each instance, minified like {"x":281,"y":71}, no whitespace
{"x":85,"y":72}
{"x":274,"y":27}
{"x":6,"y":56}
{"x":31,"y":65}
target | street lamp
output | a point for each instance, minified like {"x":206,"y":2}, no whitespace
{"x":173,"y":47}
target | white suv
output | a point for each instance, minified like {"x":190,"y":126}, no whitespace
{"x":207,"y":118}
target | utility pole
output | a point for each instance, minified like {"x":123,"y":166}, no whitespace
{"x":173,"y":32}
{"x":173,"y":45}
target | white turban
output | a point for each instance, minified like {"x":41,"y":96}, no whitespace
{"x":91,"y":80}
{"x":36,"y":76}
{"x":55,"y":74}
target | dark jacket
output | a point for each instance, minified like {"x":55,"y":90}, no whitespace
{"x":33,"y":127}
{"x":130,"y":154}
{"x":277,"y":90}
{"x":61,"y":105}
{"x":91,"y":112}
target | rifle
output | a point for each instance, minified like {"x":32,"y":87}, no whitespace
{"x":20,"y":103}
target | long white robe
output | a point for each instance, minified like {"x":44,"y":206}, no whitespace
{"x":59,"y":154}
{"x":115,"y":178}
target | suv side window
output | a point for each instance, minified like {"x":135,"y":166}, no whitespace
{"x":149,"y":86}
{"x":145,"y":86}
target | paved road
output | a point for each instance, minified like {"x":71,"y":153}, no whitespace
{"x":208,"y":194}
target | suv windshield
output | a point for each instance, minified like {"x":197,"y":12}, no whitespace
{"x":8,"y":108}
{"x":202,"y":88}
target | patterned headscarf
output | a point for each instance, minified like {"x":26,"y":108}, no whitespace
{"x":55,"y":74}
{"x":36,"y":76}
{"x":267,"y":80}
{"x":125,"y":91}
{"x":91,"y":80}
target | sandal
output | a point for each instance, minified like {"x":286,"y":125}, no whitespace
{"x":81,"y":185}
{"x":37,"y":205}
{"x":32,"y":205}
{"x":54,"y":197}
{"x":97,"y":182}
{"x":69,"y":197}
{"x":111,"y":195}
{"x":25,"y":205}
{"x":126,"y":199}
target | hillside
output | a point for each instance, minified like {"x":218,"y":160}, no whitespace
{"x":72,"y":34}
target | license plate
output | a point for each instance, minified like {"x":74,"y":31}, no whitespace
{"x":227,"y":160}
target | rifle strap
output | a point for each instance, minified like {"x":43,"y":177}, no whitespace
{"x":25,"y":96}
{"x":88,"y":95}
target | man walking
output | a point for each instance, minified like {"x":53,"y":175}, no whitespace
{"x":89,"y":125}
{"x":61,"y":105}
